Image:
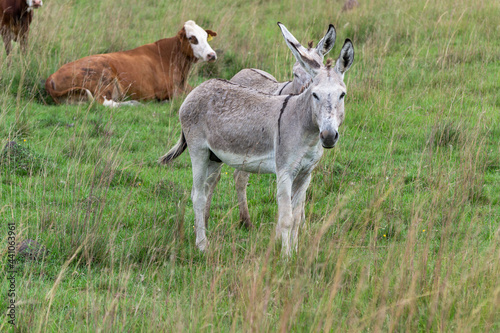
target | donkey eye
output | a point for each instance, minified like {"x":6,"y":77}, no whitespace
{"x":342,"y":95}
{"x":315,"y":96}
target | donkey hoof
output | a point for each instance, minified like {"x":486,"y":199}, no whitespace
{"x":202,"y":245}
{"x":246,"y":223}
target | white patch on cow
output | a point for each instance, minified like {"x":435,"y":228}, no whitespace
{"x":202,"y":49}
{"x":113,"y":104}
{"x":110,"y":103}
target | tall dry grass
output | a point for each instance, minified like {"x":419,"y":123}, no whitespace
{"x":402,"y":226}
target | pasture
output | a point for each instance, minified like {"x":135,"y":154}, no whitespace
{"x":402,"y":227}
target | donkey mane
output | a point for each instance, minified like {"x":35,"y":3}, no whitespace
{"x":265,"y":77}
{"x":245,"y":87}
{"x":304,"y":87}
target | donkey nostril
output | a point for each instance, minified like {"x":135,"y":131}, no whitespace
{"x":329,"y":138}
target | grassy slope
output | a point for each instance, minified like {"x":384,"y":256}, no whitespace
{"x":402,"y":225}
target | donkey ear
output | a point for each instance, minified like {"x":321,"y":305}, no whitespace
{"x":309,"y":64}
{"x":326,"y":43}
{"x":346,"y":58}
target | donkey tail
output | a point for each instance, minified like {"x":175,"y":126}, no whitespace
{"x":175,"y":151}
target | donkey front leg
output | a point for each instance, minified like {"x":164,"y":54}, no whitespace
{"x":285,"y":218}
{"x":299,"y":190}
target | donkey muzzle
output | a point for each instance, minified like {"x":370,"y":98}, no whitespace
{"x":329,"y":138}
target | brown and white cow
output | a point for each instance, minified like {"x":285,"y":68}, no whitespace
{"x":15,"y":19}
{"x":156,"y":71}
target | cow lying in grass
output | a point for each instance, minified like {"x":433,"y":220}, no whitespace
{"x":156,"y":71}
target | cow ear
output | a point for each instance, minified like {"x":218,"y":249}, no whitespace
{"x":182,"y":33}
{"x":211,"y":34}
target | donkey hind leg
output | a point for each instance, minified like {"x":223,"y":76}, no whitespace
{"x":213,"y":177}
{"x":199,"y":161}
{"x":241,"y":183}
{"x":285,"y":217}
{"x":299,"y":190}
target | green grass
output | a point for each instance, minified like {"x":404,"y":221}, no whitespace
{"x":402,"y":217}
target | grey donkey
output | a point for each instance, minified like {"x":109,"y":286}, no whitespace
{"x":224,"y":122}
{"x":265,"y":82}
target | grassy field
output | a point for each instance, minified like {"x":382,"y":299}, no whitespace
{"x":402,"y":217}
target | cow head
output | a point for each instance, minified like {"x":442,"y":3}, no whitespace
{"x":198,"y":41}
{"x":32,"y":4}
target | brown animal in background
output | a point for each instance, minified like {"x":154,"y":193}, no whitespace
{"x":156,"y":71}
{"x":15,"y":19}
{"x":349,"y":5}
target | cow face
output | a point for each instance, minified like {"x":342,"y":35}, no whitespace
{"x":34,"y":3}
{"x":198,"y":39}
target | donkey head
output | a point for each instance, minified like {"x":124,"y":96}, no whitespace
{"x":300,"y":77}
{"x":325,"y":95}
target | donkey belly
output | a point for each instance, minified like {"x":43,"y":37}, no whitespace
{"x":252,"y":164}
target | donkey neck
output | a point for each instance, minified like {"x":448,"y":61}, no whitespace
{"x":302,"y":106}
{"x":295,"y":120}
